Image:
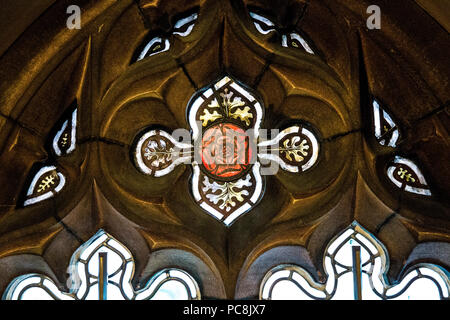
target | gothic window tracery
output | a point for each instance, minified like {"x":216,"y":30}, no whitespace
{"x":386,"y":130}
{"x":48,"y":180}
{"x":225,"y":149}
{"x":101,"y":269}
{"x":356,"y":264}
{"x":290,"y":39}
{"x":206,"y":134}
{"x":156,"y":42}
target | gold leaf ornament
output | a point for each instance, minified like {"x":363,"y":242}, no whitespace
{"x":158,"y":154}
{"x":229,"y":192}
{"x":293,"y":149}
{"x":242,"y":114}
{"x":209,"y":117}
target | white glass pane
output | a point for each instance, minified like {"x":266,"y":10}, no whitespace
{"x":437,"y":276}
{"x":171,"y":290}
{"x":286,"y":290}
{"x":421,"y":289}
{"x":268,"y":284}
{"x":114,"y":293}
{"x":366,"y":290}
{"x":368,"y":244}
{"x":113,"y":243}
{"x":185,"y":278}
{"x":93,"y":293}
{"x":305,"y":285}
{"x":345,"y":256}
{"x":114,"y":262}
{"x":344,"y":290}
{"x":339,"y":240}
{"x":399,"y":287}
{"x":36,"y":293}
{"x":376,"y":276}
{"x":86,"y":251}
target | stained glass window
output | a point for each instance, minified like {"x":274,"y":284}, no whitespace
{"x":156,"y":43}
{"x":295,"y":40}
{"x":289,"y":40}
{"x":226,"y":150}
{"x":225,"y":120}
{"x":153,"y":46}
{"x":406,"y":175}
{"x":47,"y":182}
{"x":183,"y":27}
{"x":295,"y":149}
{"x":158,"y":153}
{"x":262,"y":24}
{"x":102,"y":269}
{"x":65,"y":139}
{"x":386,"y":131}
{"x":356,"y":264}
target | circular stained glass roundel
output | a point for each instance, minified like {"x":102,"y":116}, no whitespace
{"x":225,"y":151}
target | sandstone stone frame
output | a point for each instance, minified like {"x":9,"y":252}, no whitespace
{"x":48,"y":71}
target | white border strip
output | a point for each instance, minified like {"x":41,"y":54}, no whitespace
{"x":149,"y":45}
{"x":180,"y":23}
{"x":315,"y":146}
{"x":305,"y":45}
{"x":56,"y":139}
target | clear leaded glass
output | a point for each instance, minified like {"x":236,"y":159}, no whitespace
{"x":356,"y":264}
{"x":102,"y":269}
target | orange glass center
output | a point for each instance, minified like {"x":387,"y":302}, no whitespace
{"x":226,"y":150}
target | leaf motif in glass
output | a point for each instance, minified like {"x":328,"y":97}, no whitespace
{"x":406,"y":175}
{"x":47,"y":182}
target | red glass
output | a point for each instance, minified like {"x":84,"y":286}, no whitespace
{"x":226,"y":150}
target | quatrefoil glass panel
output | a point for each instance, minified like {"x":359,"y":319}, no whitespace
{"x":226,"y":149}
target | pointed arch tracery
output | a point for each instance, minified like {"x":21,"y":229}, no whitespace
{"x":135,"y":71}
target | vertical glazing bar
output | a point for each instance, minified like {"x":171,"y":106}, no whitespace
{"x":102,"y":276}
{"x":356,"y":250}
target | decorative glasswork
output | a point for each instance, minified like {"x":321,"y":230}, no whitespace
{"x":65,"y":139}
{"x":226,"y":181}
{"x":295,"y":149}
{"x":406,"y":175}
{"x":183,"y":27}
{"x":158,"y":153}
{"x":158,"y":43}
{"x":356,"y":264}
{"x":386,"y":131}
{"x":102,"y":269}
{"x":48,"y":180}
{"x":262,"y":24}
{"x":402,"y":172}
{"x":154,"y":45}
{"x":292,"y":39}
{"x":45,"y":184}
{"x":225,"y":149}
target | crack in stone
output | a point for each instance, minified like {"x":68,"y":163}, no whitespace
{"x":340,"y":135}
{"x":102,"y":140}
{"x":385,"y":221}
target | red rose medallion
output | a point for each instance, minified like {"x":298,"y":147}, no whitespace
{"x":225,"y":151}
